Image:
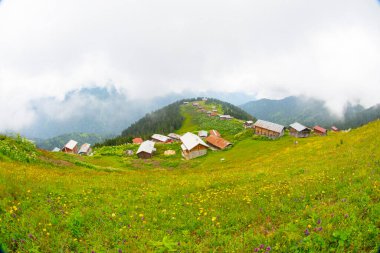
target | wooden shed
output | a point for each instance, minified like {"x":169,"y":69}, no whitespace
{"x":248,"y":124}
{"x":160,"y":138}
{"x":298,"y":130}
{"x":137,"y":140}
{"x":335,"y":129}
{"x":85,"y":149}
{"x":71,"y":147}
{"x":193,"y":146}
{"x":217,"y":142}
{"x":146,"y":150}
{"x":268,"y":129}
{"x":318,"y":130}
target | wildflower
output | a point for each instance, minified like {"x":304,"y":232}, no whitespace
{"x":262,"y":246}
{"x":141,"y":215}
{"x":307,"y":232}
{"x":268,"y":248}
{"x":120,"y":251}
{"x":113,"y":214}
{"x":309,"y":226}
{"x":47,"y":234}
{"x":44,"y":229}
{"x":256,"y":250}
{"x":319,"y":221}
{"x":213,"y":219}
{"x":15,"y":208}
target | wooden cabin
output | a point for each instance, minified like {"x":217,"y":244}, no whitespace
{"x":137,"y":140}
{"x":225,"y":117}
{"x":85,"y":149}
{"x":248,"y":124}
{"x":71,"y":147}
{"x":318,"y":130}
{"x":202,"y":133}
{"x":174,"y":136}
{"x":160,"y":138}
{"x":299,"y":131}
{"x":217,"y":142}
{"x":335,"y":129}
{"x":268,"y":129}
{"x":146,"y":150}
{"x":193,"y":146}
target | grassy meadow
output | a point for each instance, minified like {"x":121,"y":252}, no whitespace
{"x":320,"y":195}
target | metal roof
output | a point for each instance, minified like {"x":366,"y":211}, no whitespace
{"x":174,"y":136}
{"x":84,"y":148}
{"x":202,"y":133}
{"x":71,"y":144}
{"x":56,"y":149}
{"x":269,"y":125}
{"x":160,"y":137}
{"x":217,"y":141}
{"x":137,"y":140}
{"x":320,"y":129}
{"x":146,"y":146}
{"x":298,"y":127}
{"x":190,"y":141}
{"x":214,"y":132}
{"x":226,"y":116}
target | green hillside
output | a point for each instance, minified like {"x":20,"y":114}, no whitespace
{"x":320,"y":195}
{"x":171,"y":118}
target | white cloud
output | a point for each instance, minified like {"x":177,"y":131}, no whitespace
{"x":324,"y":49}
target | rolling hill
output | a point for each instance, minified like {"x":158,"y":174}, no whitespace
{"x":310,"y":112}
{"x":319,"y":195}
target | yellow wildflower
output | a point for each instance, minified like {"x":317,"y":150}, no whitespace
{"x":213,"y":219}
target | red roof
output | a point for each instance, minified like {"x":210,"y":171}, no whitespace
{"x":334,"y":128}
{"x":214,"y":132}
{"x":217,"y":141}
{"x":320,"y":129}
{"x":137,"y":140}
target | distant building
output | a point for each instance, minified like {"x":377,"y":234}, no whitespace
{"x":214,"y":132}
{"x":185,"y":102}
{"x":268,"y":129}
{"x":204,"y":99}
{"x":335,"y":129}
{"x":298,"y":130}
{"x":248,"y":124}
{"x":137,"y":140}
{"x":146,"y":150}
{"x":160,"y":138}
{"x":202,"y":133}
{"x":196,"y":104}
{"x":56,"y":149}
{"x":85,"y":149}
{"x":71,"y":147}
{"x":318,"y":130}
{"x":174,"y":137}
{"x":213,"y":114}
{"x":217,"y":142}
{"x":225,"y":117}
{"x":193,"y":146}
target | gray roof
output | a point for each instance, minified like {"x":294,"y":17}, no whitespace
{"x":71,"y":144}
{"x":56,"y":149}
{"x":298,"y":127}
{"x":174,"y":136}
{"x":269,"y":125}
{"x":160,"y":137}
{"x":84,"y":148}
{"x":146,"y":146}
{"x":190,"y":141}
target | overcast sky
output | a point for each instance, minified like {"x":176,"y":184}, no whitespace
{"x":325,"y":49}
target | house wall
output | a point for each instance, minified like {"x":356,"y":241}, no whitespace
{"x":195,"y":152}
{"x":302,"y":134}
{"x":71,"y":151}
{"x":319,"y":133}
{"x":268,"y":133}
{"x":144,"y":155}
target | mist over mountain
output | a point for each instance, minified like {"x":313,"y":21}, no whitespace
{"x":103,"y":111}
{"x":310,"y":112}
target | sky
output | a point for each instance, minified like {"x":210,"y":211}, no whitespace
{"x":268,"y":49}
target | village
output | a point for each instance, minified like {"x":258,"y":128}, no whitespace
{"x":196,"y":144}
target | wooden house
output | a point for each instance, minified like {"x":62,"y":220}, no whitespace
{"x":193,"y":146}
{"x":298,"y":130}
{"x":318,"y":130}
{"x":85,"y":149}
{"x":174,"y":137}
{"x":213,"y":114}
{"x":217,"y":142}
{"x":137,"y":140}
{"x":268,"y":129}
{"x":335,"y":129}
{"x":248,"y":124}
{"x":56,"y":149}
{"x":160,"y":138}
{"x":71,"y":147}
{"x":214,"y":132}
{"x":146,"y":150}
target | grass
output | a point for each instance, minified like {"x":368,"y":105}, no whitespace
{"x":320,"y":195}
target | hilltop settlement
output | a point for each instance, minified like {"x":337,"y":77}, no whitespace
{"x":196,"y":144}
